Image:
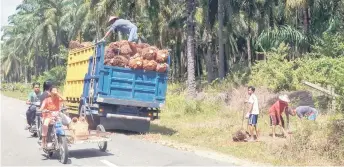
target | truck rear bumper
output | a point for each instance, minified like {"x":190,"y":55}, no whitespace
{"x":119,"y":116}
{"x":124,"y":122}
{"x":136,"y":103}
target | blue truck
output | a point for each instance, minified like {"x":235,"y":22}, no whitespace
{"x":115,"y":97}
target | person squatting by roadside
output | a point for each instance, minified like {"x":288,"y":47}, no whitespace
{"x":33,"y":97}
{"x":253,"y":112}
{"x":305,"y":112}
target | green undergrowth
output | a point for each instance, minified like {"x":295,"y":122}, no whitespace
{"x":210,"y":124}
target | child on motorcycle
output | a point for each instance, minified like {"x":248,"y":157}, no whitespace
{"x":50,"y":104}
{"x":33,"y":97}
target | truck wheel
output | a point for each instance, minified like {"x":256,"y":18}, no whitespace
{"x":102,"y":145}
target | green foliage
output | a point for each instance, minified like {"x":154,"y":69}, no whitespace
{"x":276,"y":73}
{"x":279,"y":74}
{"x":56,"y":74}
{"x":15,"y":87}
{"x":331,"y":45}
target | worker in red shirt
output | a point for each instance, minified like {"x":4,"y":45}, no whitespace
{"x":275,"y":113}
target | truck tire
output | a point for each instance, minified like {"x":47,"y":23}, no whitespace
{"x":92,"y":120}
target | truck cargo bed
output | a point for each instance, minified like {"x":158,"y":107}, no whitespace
{"x":125,"y":86}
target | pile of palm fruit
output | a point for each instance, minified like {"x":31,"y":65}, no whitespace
{"x":136,"y":56}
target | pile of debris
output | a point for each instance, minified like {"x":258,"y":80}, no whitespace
{"x":136,"y":56}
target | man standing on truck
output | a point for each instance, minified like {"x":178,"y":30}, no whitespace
{"x":124,"y":26}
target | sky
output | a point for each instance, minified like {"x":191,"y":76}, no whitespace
{"x":7,"y":8}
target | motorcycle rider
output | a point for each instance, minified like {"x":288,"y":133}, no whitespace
{"x":33,"y":97}
{"x":50,"y":104}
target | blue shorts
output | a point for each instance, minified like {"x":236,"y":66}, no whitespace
{"x":313,"y":116}
{"x":252,"y":119}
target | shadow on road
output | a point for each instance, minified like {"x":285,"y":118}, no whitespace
{"x":79,"y":154}
{"x":154,"y":129}
{"x":87,"y":153}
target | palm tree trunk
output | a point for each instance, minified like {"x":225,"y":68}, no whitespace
{"x":222,"y":72}
{"x":191,"y":48}
{"x":178,"y":55}
{"x":249,"y":56}
{"x":306,"y":19}
{"x":208,"y":51}
{"x":49,"y":57}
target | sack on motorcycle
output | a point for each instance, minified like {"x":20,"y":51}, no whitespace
{"x":79,"y":129}
{"x":65,"y":119}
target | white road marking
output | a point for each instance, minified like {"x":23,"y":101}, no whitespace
{"x":108,"y":163}
{"x":23,"y":116}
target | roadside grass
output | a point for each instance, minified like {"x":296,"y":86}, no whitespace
{"x":16,"y":94}
{"x":210,"y":124}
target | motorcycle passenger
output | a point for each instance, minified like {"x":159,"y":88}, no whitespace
{"x":46,"y":90}
{"x":50,"y":104}
{"x":33,"y":97}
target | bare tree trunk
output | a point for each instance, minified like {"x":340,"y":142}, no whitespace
{"x":209,"y":54}
{"x":306,"y":19}
{"x":222,"y":72}
{"x":249,"y":56}
{"x":179,"y":53}
{"x":191,"y":48}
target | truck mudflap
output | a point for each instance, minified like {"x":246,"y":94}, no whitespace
{"x":125,"y":122}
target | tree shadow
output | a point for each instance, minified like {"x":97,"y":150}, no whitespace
{"x":163,"y":130}
{"x":278,"y":135}
{"x":154,"y":129}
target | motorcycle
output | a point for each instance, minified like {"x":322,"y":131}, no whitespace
{"x":36,"y":123}
{"x":56,"y":139}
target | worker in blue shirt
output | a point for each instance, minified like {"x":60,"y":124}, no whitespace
{"x":124,"y":26}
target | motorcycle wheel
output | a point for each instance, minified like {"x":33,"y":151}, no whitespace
{"x":50,"y":154}
{"x":39,"y":128}
{"x":102,"y":145}
{"x":63,"y":152}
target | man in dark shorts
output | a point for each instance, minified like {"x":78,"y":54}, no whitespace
{"x":275,"y":113}
{"x":253,"y":112}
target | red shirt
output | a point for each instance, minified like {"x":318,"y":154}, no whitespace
{"x":51,"y":104}
{"x":278,"y":108}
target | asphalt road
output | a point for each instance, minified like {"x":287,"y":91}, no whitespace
{"x":18,"y":148}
